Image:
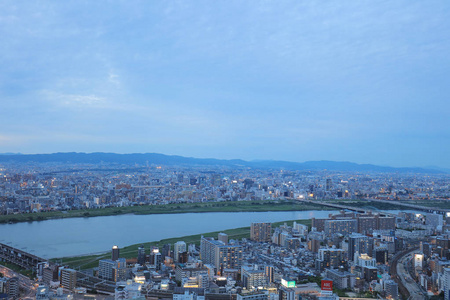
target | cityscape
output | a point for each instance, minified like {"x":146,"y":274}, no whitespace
{"x":384,"y":234}
{"x":224,"y":150}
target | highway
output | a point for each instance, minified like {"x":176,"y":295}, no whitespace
{"x":406,"y":284}
{"x":415,"y":291}
{"x":25,"y":283}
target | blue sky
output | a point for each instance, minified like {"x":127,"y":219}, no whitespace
{"x":359,"y":81}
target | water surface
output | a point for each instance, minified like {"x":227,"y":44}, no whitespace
{"x":76,"y":236}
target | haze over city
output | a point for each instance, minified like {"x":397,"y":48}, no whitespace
{"x":224,"y":150}
{"x":290,"y":80}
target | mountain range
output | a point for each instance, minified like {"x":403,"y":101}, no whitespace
{"x":157,"y":158}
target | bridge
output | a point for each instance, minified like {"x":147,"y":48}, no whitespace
{"x":345,"y":207}
{"x":19,"y":257}
{"x":413,"y":206}
{"x":365,"y":210}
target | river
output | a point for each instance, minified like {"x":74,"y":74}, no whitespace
{"x":77,"y":236}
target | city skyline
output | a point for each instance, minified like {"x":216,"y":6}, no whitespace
{"x":292,"y":81}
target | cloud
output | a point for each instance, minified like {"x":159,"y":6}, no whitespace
{"x":73,"y":100}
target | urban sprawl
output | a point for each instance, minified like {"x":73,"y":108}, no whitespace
{"x":365,"y":251}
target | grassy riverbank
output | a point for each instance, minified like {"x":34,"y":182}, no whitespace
{"x":91,"y":261}
{"x":234,"y":206}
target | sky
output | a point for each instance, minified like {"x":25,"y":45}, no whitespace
{"x":360,"y":81}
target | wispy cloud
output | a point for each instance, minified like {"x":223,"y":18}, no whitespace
{"x":226,"y":76}
{"x":73,"y":100}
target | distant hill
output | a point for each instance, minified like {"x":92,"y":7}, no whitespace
{"x":156,"y":158}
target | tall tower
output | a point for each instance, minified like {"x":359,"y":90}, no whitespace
{"x":115,"y":253}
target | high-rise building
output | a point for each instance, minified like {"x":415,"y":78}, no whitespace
{"x":434,"y":220}
{"x":253,"y":278}
{"x":340,"y":226}
{"x":386,"y":223}
{"x":68,"y":278}
{"x":112,"y":270}
{"x":447,"y":283}
{"x":331,"y":258}
{"x":318,"y":224}
{"x":166,"y":251}
{"x":221,"y":256}
{"x":425,"y":248}
{"x":286,"y":294}
{"x":359,"y":243}
{"x":12,"y":288}
{"x":269,"y":273}
{"x":391,"y":289}
{"x":261,"y":232}
{"x":418,"y":260}
{"x":178,"y":247}
{"x":328,"y":184}
{"x":120,"y":270}
{"x":381,"y":255}
{"x":223,"y":237}
{"x":50,"y":274}
{"x":156,"y":258}
{"x":141,"y":255}
{"x":115,"y":253}
{"x":367,"y":224}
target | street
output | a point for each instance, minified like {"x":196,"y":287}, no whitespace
{"x":25,"y":284}
{"x":414,"y":290}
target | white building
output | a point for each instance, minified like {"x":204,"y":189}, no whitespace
{"x":418,"y":260}
{"x":365,"y":260}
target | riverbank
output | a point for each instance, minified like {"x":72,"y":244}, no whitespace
{"x":224,"y":206}
{"x":91,"y":261}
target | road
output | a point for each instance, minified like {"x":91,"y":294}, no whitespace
{"x":415,"y":291}
{"x":25,"y":283}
